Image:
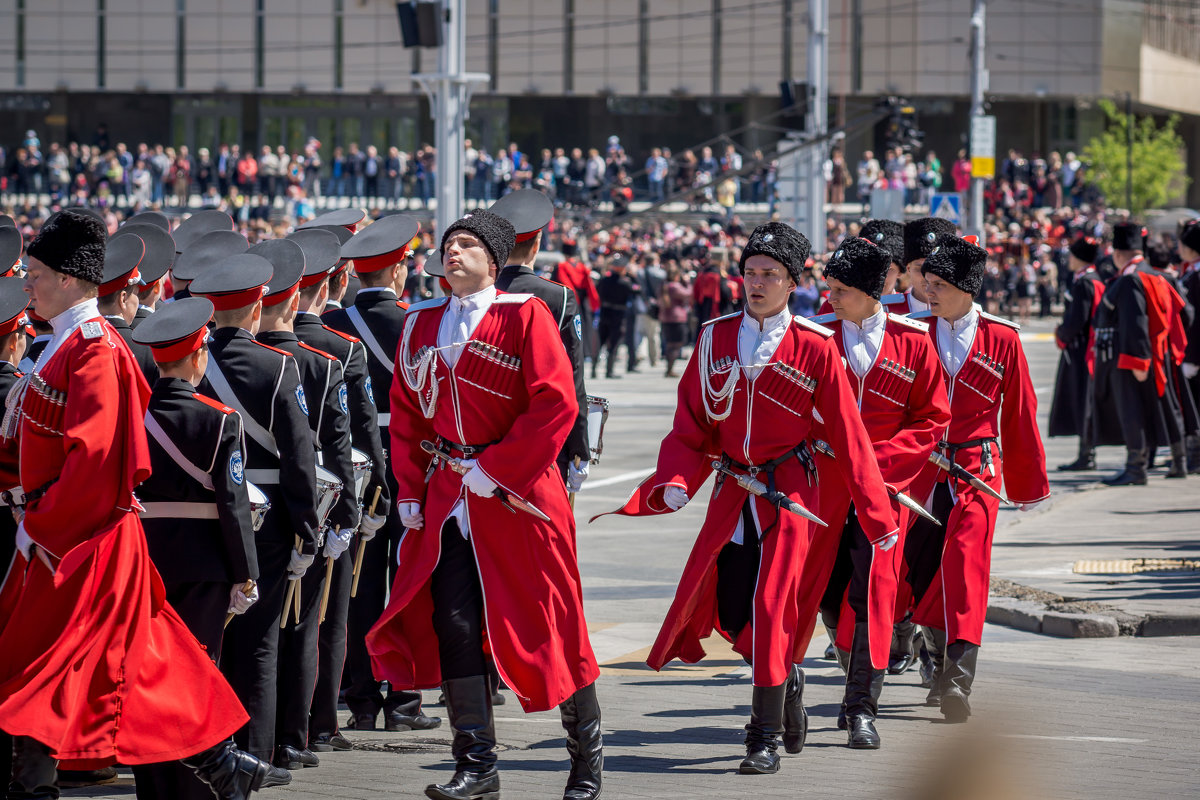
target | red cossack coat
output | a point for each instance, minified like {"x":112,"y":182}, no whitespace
{"x":512,"y":385}
{"x":984,"y":402}
{"x":767,"y":416}
{"x":903,"y":404}
{"x":93,"y":662}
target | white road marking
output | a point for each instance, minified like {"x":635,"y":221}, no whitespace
{"x":636,"y":475}
{"x":1109,"y":739}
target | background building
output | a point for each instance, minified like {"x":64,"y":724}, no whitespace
{"x":572,"y":72}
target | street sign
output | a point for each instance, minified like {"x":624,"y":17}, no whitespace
{"x":983,"y":147}
{"x":947,"y":206}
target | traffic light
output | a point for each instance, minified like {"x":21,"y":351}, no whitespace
{"x":903,"y":131}
{"x":794,"y":100}
{"x":420,"y":23}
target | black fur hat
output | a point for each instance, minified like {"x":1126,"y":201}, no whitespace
{"x":496,"y":233}
{"x":920,"y":236}
{"x":1129,"y":236}
{"x":781,"y":242}
{"x":73,"y":244}
{"x":959,"y":262}
{"x":860,"y":263}
{"x":1085,"y":248}
{"x":1190,"y":235}
{"x":888,"y":234}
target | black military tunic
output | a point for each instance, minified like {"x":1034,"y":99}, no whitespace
{"x":616,"y":290}
{"x":1069,"y":407}
{"x":328,"y":417}
{"x":200,"y":537}
{"x":139,"y":315}
{"x":377,"y":318}
{"x":565,"y":310}
{"x":141,"y":352}
{"x":364,"y":433}
{"x":269,"y":396}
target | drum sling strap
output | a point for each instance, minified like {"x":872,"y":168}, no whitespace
{"x":364,"y":333}
{"x":155,"y":430}
{"x":250,"y":425}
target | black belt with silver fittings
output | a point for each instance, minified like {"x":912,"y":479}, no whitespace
{"x":16,"y":497}
{"x":800,"y":452}
{"x":952,"y":448}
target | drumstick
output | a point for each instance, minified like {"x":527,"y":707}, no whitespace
{"x":247,"y":587}
{"x":328,"y":580}
{"x":290,"y":598}
{"x":358,"y":554}
{"x":571,"y":495}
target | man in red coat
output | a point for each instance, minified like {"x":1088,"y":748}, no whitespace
{"x":94,"y":664}
{"x":894,"y":373}
{"x":993,"y":409}
{"x":754,"y":390}
{"x":484,"y":376}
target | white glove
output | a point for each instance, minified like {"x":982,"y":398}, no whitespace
{"x":369,"y":525}
{"x":675,"y":497}
{"x":239,"y":601}
{"x":1190,"y":370}
{"x":1029,"y":506}
{"x":477,"y":480}
{"x":411,"y":516}
{"x":337,"y":542}
{"x":888,"y":542}
{"x":576,"y":476}
{"x":298,"y":565}
{"x":24,"y":543}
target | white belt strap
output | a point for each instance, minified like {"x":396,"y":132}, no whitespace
{"x":263,"y":477}
{"x":249,"y":424}
{"x":166,"y":510}
{"x":364,"y":333}
{"x":155,"y":430}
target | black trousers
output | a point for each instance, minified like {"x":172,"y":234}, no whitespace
{"x":298,"y":662}
{"x":851,"y":571}
{"x":458,"y":607}
{"x":612,"y":331}
{"x":202,"y":607}
{"x":250,"y":657}
{"x":1136,"y":403}
{"x":331,"y":650}
{"x":363,"y":692}
{"x":924,"y":543}
{"x":737,"y":578}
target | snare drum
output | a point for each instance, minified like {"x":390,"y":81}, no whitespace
{"x":329,"y":488}
{"x":362,"y":472}
{"x":258,"y":505}
{"x":596,"y":417}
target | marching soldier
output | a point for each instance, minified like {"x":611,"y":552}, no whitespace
{"x":376,"y":317}
{"x":894,"y":373}
{"x":321,"y":256}
{"x":97,"y":665}
{"x":993,"y":411}
{"x":202,"y":253}
{"x":328,"y":418}
{"x":118,"y":296}
{"x":530,"y":211}
{"x":754,"y":389}
{"x":888,"y":235}
{"x":616,"y":289}
{"x":920,"y":237}
{"x":197,"y":513}
{"x":263,"y":385}
{"x":577,"y":276}
{"x":503,"y":415}
{"x":1136,"y":403}
{"x":1071,"y":411}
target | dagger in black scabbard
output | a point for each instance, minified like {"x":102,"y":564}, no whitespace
{"x":510,"y":501}
{"x":956,"y":471}
{"x":777,"y":499}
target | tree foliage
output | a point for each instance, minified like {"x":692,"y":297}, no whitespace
{"x":1159,"y":170}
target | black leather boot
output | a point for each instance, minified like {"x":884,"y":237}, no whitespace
{"x":956,"y":682}
{"x":469,"y":706}
{"x":232,"y":774}
{"x":831,"y":648}
{"x":795,"y":717}
{"x":1178,"y":461}
{"x":762,"y":734}
{"x":863,"y":686}
{"x":935,"y":644}
{"x":904,"y":647}
{"x":1134,"y":473}
{"x":34,"y":771}
{"x":1084,"y":463}
{"x":581,"y":720}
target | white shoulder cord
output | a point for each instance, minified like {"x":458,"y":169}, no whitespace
{"x":420,"y":370}
{"x":713,"y":397}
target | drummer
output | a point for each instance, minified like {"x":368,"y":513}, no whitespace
{"x":197,"y":518}
{"x":329,"y":418}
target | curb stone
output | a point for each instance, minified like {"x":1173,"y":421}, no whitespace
{"x":1079,"y":626}
{"x":1170,"y":625}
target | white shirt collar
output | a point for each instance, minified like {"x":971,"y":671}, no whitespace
{"x":369,"y":289}
{"x":755,"y":345}
{"x":870,"y":324}
{"x":862,"y":343}
{"x":65,"y":323}
{"x":955,"y":339}
{"x":462,"y":317}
